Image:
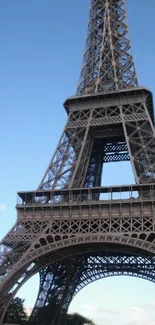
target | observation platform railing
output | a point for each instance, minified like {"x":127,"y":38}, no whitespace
{"x":144,"y":192}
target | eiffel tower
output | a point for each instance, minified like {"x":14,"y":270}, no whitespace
{"x":72,"y":230}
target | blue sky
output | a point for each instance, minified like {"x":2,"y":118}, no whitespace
{"x":42,"y":43}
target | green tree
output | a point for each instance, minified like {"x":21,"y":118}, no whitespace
{"x":92,"y":323}
{"x":16,"y":313}
{"x":76,"y":319}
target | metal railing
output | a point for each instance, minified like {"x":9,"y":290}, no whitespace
{"x":71,"y":196}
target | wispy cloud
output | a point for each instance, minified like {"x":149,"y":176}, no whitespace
{"x":134,"y":315}
{"x":87,"y":306}
{"x":3,"y":207}
{"x":136,"y":309}
{"x":107,"y":311}
{"x":100,"y":310}
{"x":141,"y":322}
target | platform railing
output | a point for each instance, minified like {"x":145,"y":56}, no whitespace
{"x":71,"y":196}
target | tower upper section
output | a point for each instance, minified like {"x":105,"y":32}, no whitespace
{"x":107,"y":63}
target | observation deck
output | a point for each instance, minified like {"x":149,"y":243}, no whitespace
{"x":84,"y":203}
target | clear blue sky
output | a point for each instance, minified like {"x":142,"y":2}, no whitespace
{"x":42,"y":43}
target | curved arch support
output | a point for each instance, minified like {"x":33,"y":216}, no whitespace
{"x":34,"y":258}
{"x":33,"y":252}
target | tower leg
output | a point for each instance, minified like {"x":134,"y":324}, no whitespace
{"x":58,"y":283}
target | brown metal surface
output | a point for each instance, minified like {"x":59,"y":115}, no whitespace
{"x":107,"y":62}
{"x":72,"y":230}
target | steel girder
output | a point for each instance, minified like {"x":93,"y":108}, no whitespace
{"x":55,"y":240}
{"x":114,"y":129}
{"x":77,"y":272}
{"x":110,"y":119}
{"x":107,"y":62}
{"x":57,"y":286}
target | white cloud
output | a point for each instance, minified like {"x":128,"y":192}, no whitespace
{"x":152,"y":303}
{"x":3,"y":207}
{"x":134,"y":315}
{"x":127,"y":307}
{"x":87,"y":306}
{"x":99,"y":310}
{"x":137,"y":309}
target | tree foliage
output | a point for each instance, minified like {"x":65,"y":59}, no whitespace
{"x":46,"y":315}
{"x":16,"y":313}
{"x":92,"y":323}
{"x":77,"y":319}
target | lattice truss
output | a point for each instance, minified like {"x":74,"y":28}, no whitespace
{"x":33,"y":244}
{"x":61,"y":281}
{"x":107,"y":63}
{"x":28,"y":241}
{"x":77,"y":272}
{"x":109,"y":120}
{"x":100,"y":135}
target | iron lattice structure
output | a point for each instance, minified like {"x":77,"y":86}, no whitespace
{"x":107,"y":62}
{"x":71,"y":229}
